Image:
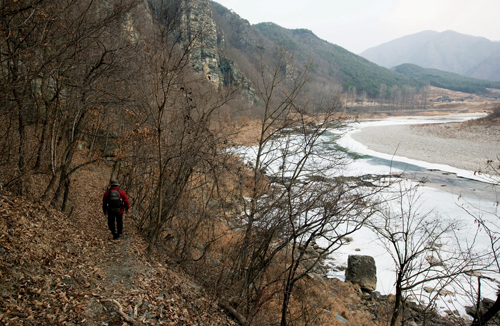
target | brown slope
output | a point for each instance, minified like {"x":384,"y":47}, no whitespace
{"x":57,"y":269}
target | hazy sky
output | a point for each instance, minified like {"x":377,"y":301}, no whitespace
{"x":361,"y":24}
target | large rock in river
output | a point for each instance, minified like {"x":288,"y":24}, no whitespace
{"x":361,"y":270}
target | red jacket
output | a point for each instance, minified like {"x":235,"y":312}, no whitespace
{"x":123,"y":197}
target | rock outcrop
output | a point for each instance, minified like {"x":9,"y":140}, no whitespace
{"x":208,"y":55}
{"x":361,"y":270}
{"x":484,"y":306}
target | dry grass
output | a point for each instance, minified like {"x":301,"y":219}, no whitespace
{"x":478,"y":104}
{"x":493,"y":118}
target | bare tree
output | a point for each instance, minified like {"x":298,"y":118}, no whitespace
{"x":290,"y":199}
{"x":424,"y":91}
{"x":493,"y":234}
{"x":415,"y":240}
{"x":490,"y":224}
{"x":176,"y":138}
{"x":382,"y":94}
{"x":60,"y":68}
{"x":395,"y":96}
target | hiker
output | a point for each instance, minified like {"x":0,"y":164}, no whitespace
{"x":114,"y":203}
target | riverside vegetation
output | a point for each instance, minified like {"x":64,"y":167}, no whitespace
{"x":139,"y":92}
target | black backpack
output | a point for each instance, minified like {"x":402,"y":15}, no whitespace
{"x":114,"y":201}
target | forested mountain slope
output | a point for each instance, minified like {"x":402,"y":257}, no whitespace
{"x":332,"y":64}
{"x":446,"y":80}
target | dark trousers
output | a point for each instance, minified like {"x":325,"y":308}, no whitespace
{"x":112,"y":217}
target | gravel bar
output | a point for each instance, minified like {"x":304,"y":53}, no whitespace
{"x":460,"y":145}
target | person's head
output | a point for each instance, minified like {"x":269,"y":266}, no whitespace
{"x":114,"y":183}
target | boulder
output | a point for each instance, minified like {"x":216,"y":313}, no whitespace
{"x":433,"y":261}
{"x":341,"y":319}
{"x":361,"y":270}
{"x":375,"y":295}
{"x":484,"y":306}
{"x":444,"y":292}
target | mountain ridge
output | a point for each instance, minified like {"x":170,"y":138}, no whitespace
{"x":448,"y":51}
{"x":446,"y":80}
{"x":333,"y":65}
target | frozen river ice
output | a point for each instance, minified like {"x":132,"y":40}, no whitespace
{"x":444,"y":192}
{"x":447,"y":192}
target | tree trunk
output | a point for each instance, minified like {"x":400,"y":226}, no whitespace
{"x":41,"y":144}
{"x":484,"y":319}
{"x":49,"y":188}
{"x":22,"y":143}
{"x":57,"y":195}
{"x":397,"y":303}
{"x":286,"y":300}
{"x":67,"y":185}
{"x":156,"y":232}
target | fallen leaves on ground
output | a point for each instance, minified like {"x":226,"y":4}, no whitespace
{"x":57,"y":271}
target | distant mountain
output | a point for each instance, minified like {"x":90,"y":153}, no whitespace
{"x":335,"y":62}
{"x":448,"y":51}
{"x":231,"y":51}
{"x":488,"y":69}
{"x":332,"y":64}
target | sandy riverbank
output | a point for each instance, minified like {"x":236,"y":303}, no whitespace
{"x":464,"y":146}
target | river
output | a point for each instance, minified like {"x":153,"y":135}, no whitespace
{"x":444,"y":191}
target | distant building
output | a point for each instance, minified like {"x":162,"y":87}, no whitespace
{"x":448,"y":99}
{"x":359,"y":100}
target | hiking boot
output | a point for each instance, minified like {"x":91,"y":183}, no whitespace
{"x":115,"y":236}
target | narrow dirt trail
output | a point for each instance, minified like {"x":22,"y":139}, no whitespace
{"x":65,"y":269}
{"x":147,"y":289}
{"x":118,"y":265}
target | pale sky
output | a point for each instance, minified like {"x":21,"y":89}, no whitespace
{"x":361,"y":24}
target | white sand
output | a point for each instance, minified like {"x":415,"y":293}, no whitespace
{"x":455,"y":144}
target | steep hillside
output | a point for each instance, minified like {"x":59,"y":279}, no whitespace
{"x":59,"y":269}
{"x":449,"y":51}
{"x":334,"y":61}
{"x":65,"y":270}
{"x":332,"y":64}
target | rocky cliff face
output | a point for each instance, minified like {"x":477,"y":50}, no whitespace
{"x":208,"y":57}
